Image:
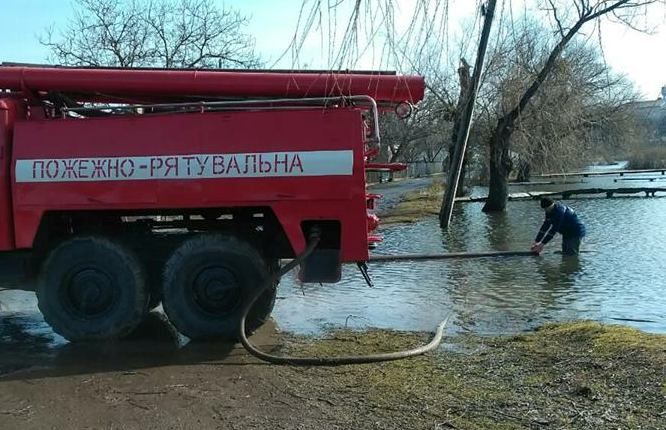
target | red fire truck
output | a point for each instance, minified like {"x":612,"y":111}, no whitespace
{"x":124,"y":188}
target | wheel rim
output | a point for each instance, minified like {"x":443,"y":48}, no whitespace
{"x":216,"y":290}
{"x":89,"y":292}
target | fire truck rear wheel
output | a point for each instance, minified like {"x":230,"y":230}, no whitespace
{"x":91,"y":288}
{"x":207,"y":282}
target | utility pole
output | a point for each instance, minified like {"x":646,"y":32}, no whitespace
{"x":463,"y":132}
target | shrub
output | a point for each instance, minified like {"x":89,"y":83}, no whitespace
{"x":648,"y":158}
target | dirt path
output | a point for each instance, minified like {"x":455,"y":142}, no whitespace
{"x":393,"y":192}
{"x":153,"y":383}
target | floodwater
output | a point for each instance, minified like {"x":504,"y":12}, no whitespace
{"x":619,"y":278}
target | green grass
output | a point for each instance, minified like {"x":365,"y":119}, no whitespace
{"x":570,"y":375}
{"x":416,"y":205}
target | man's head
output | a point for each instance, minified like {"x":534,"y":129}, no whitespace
{"x":547,"y":204}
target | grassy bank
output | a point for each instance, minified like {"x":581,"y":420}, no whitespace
{"x":575,"y":375}
{"x":648,"y":158}
{"x":416,"y":205}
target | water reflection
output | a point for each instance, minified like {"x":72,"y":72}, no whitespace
{"x":560,"y":274}
{"x":499,"y":231}
{"x":456,"y":237}
{"x":28,"y":344}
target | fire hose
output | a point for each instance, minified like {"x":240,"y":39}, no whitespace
{"x":325,"y":361}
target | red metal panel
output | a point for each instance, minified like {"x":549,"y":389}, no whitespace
{"x":294,"y":198}
{"x":354,"y":240}
{"x":8,"y":113}
{"x":160,"y":83}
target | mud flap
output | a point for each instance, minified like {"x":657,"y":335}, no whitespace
{"x":323,"y":265}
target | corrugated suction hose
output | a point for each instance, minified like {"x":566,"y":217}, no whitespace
{"x":326,"y":361}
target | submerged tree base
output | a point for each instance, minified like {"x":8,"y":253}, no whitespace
{"x":573,"y":375}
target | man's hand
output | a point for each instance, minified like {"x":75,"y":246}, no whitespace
{"x":537,"y":247}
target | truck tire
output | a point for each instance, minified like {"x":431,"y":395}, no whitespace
{"x":207,"y":282}
{"x":91,"y":288}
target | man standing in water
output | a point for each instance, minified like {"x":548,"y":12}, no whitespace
{"x":559,"y":219}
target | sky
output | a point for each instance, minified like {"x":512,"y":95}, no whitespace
{"x":642,"y":57}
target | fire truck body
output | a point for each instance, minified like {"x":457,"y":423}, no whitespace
{"x":174,"y":162}
{"x":121,"y":188}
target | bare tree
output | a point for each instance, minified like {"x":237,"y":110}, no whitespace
{"x":579,"y":101}
{"x":578,"y":114}
{"x":581,"y":13}
{"x":169,"y":33}
{"x":417,"y":137}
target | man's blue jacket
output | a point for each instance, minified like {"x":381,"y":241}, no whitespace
{"x":562,"y":219}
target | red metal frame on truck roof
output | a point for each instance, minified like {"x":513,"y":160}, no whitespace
{"x":162,"y":83}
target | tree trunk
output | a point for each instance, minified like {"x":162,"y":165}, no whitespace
{"x":446,"y":209}
{"x":460,"y":191}
{"x":394,"y":156}
{"x":523,"y":171}
{"x":499,"y":168}
{"x":465,"y":79}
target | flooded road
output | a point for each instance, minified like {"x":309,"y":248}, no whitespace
{"x":618,"y":279}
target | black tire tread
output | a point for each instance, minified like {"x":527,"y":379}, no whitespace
{"x":224,"y":243}
{"x":120,"y":328}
